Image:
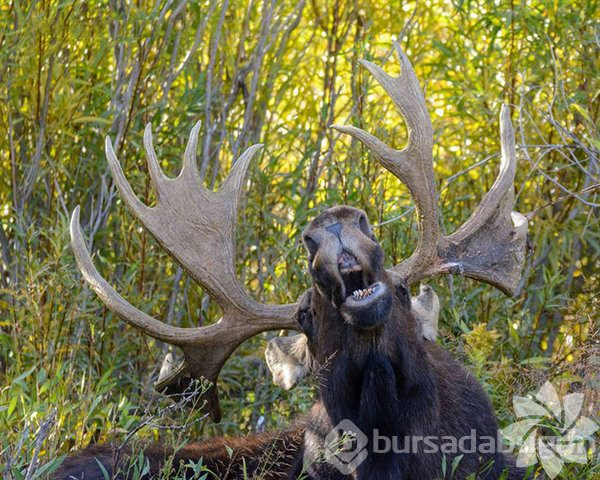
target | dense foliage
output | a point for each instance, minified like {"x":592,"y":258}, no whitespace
{"x":278,"y":73}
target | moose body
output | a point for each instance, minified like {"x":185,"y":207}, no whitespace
{"x":375,"y":368}
{"x":401,"y":387}
{"x":358,"y":324}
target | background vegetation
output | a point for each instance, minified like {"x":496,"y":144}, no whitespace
{"x":278,"y":73}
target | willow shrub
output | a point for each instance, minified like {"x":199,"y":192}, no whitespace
{"x":277,"y":73}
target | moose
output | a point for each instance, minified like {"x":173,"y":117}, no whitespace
{"x":378,"y":366}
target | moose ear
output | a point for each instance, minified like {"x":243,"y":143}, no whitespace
{"x":289,"y":360}
{"x":426,"y":310}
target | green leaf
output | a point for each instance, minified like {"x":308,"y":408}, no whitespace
{"x":229,"y":451}
{"x":455,"y":464}
{"x":583,"y":112}
{"x":91,"y":119}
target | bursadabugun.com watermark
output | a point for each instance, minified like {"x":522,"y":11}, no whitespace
{"x":471,"y":443}
{"x":571,"y":439}
{"x":347,"y":446}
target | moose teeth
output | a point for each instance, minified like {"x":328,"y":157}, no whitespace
{"x":360,"y":294}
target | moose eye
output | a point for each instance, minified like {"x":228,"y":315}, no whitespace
{"x":303,"y":318}
{"x":311,"y":245}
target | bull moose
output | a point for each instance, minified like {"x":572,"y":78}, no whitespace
{"x":356,"y":323}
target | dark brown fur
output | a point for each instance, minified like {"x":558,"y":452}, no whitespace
{"x":401,"y":385}
{"x":267,"y":456}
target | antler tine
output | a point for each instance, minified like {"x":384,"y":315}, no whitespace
{"x":156,"y":173}
{"x":190,"y":167}
{"x":197,"y":228}
{"x":407,"y":95}
{"x":502,"y":187}
{"x":237,"y":175}
{"x":491,"y":245}
{"x":135,"y":205}
{"x":413,"y":165}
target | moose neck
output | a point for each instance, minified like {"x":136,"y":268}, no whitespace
{"x":378,"y":379}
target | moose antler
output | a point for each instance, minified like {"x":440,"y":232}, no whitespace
{"x":491,"y":245}
{"x":197,"y":228}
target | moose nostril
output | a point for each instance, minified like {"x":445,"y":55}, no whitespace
{"x":348,"y":263}
{"x":346,"y":257}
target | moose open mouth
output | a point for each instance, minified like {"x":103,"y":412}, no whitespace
{"x":357,"y":282}
{"x":367,"y":302}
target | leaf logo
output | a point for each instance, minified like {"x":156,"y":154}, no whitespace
{"x":550,"y":432}
{"x":345,"y":447}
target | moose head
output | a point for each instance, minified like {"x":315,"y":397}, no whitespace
{"x":362,"y":304}
{"x":352,"y":292}
{"x":356,"y":306}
